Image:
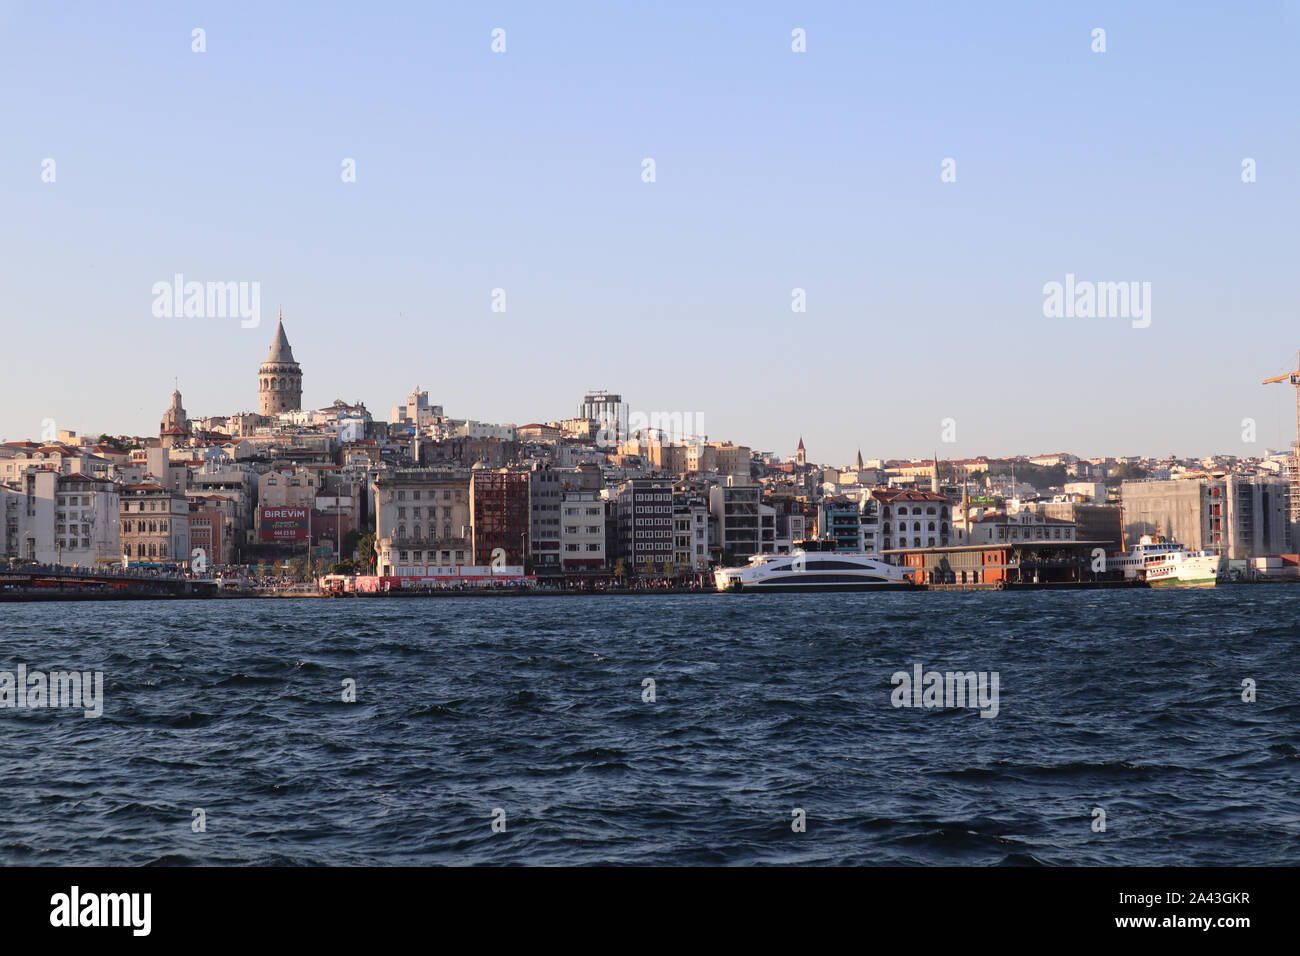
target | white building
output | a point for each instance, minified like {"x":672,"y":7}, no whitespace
{"x":60,"y":519}
{"x":582,"y":531}
{"x":1022,"y":526}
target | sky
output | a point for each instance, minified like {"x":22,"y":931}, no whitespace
{"x":774,"y":170}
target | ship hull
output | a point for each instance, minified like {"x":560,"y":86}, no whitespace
{"x":1199,"y":571}
{"x":825,"y":571}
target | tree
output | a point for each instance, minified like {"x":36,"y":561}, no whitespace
{"x":648,"y":568}
{"x":668,"y":569}
{"x":365,"y":550}
{"x":351,"y":539}
{"x":620,"y":569}
{"x":1125,"y":472}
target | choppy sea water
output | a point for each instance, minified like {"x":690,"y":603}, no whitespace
{"x":1128,"y":701}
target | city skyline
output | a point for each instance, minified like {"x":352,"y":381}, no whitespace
{"x":775,"y":170}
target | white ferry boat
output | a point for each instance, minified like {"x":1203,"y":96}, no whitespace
{"x":814,"y":570}
{"x":1167,"y":564}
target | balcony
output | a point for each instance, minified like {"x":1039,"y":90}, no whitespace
{"x":426,"y":543}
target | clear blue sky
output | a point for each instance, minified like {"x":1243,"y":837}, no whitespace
{"x":775,"y":170}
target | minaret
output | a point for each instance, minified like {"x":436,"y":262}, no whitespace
{"x":859,"y":459}
{"x":280,"y":377}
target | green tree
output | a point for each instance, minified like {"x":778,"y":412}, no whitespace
{"x":365,"y":550}
{"x":351,"y":539}
{"x":1128,"y":471}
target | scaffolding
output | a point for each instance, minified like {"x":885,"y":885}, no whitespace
{"x":499,"y":515}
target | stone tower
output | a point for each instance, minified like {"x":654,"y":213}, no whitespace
{"x":175,"y":426}
{"x":280,"y":377}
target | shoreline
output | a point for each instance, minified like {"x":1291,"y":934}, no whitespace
{"x":47,"y":596}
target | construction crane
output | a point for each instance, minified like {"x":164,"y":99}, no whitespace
{"x":1293,"y":378}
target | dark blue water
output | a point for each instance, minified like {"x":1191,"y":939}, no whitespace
{"x":1128,"y":701}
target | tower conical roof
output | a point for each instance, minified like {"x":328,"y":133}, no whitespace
{"x":281,"y":352}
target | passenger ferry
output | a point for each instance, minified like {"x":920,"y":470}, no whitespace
{"x":814,"y":567}
{"x":1167,"y":564}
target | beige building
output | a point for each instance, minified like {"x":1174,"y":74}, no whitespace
{"x":288,"y":488}
{"x":1234,"y":516}
{"x":422,"y":520}
{"x":155,"y":525}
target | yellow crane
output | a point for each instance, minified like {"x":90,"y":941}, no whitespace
{"x":1293,"y":378}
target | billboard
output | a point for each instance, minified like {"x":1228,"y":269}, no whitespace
{"x":284,"y":524}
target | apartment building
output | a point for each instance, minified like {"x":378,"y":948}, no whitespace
{"x":545,"y":491}
{"x":644,"y":512}
{"x":582,"y":531}
{"x":422,"y":520}
{"x":53,"y":518}
{"x":155,"y":525}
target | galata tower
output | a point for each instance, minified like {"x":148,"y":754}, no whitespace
{"x":279,"y":380}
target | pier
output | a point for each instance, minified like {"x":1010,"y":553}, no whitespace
{"x":54,"y":583}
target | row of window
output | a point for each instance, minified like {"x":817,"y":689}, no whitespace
{"x":433,"y":512}
{"x":415,"y":494}
{"x":902,"y":510}
{"x":418,"y":556}
{"x":578,"y":547}
{"x":143,"y":527}
{"x":446,"y":531}
{"x":588,"y":529}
